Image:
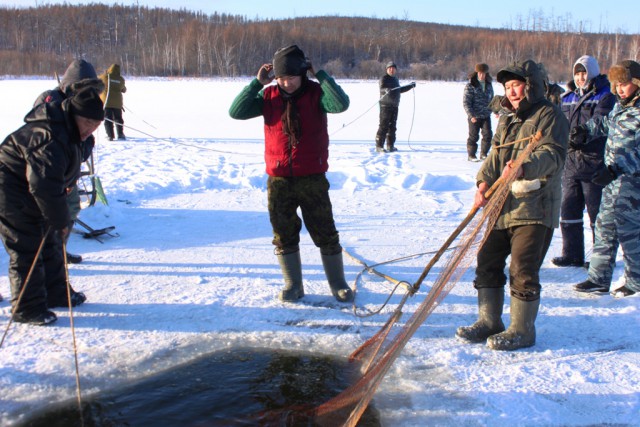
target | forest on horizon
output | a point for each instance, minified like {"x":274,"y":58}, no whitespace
{"x":179,"y":43}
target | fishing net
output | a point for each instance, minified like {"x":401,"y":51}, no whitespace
{"x":379,"y":352}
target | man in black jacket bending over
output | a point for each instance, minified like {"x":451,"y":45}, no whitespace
{"x":39,"y":162}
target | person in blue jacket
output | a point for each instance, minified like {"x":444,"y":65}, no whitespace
{"x":588,"y":97}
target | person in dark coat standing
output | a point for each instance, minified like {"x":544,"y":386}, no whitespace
{"x":524,"y":229}
{"x":296,"y":154}
{"x":114,"y":87}
{"x":79,"y":74}
{"x":478,"y":93}
{"x":589,"y":97}
{"x":38,"y":163}
{"x":390,"y":91}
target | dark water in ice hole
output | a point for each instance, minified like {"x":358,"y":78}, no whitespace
{"x":227,"y":388}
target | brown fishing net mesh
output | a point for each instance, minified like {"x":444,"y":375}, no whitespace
{"x":379,"y":352}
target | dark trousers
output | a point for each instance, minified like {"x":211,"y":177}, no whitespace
{"x":112,"y":115}
{"x":387,"y":126}
{"x":576,"y":194}
{"x":483,"y":125}
{"x":311,"y":195}
{"x":48,"y":280}
{"x":527,"y":245}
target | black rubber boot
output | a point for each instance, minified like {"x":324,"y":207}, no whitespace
{"x":291,"y":266}
{"x":73,"y":258}
{"x":490,"y":302}
{"x":334,"y":270}
{"x":572,"y":246}
{"x":522,"y":330}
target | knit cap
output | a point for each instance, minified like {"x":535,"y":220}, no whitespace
{"x":391,"y":64}
{"x":289,"y":61}
{"x":86,"y":103}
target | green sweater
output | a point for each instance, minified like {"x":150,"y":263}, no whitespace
{"x":248,"y":104}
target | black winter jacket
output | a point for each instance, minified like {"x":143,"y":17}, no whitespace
{"x":390,"y":90}
{"x":38,"y":162}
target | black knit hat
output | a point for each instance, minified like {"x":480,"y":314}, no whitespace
{"x":87,"y":103}
{"x":290,"y":61}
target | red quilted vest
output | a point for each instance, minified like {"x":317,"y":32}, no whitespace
{"x":309,"y":156}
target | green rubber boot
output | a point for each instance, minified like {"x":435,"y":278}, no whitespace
{"x":334,"y":270}
{"x":291,"y":267}
{"x":490,"y":302}
{"x":522,"y":330}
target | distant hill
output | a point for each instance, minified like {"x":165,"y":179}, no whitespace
{"x":164,"y":42}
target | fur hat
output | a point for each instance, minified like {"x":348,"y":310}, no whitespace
{"x":290,"y":61}
{"x":391,"y":64}
{"x":86,"y":103}
{"x":623,"y":72}
{"x":481,"y":68}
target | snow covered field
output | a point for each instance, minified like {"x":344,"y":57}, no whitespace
{"x":193,"y":270}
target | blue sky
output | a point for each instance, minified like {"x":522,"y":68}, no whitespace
{"x":598,"y":15}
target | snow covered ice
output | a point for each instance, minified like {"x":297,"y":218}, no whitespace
{"x":193,"y":270}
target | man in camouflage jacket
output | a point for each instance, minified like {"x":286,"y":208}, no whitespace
{"x":618,"y":223}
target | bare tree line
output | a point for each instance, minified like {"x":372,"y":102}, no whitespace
{"x":163,"y":42}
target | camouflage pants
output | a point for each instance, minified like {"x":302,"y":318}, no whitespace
{"x":311,"y":195}
{"x":617,"y":224}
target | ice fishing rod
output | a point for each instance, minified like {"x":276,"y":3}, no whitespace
{"x":73,"y":332}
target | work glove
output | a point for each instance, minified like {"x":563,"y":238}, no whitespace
{"x":578,"y":137}
{"x":605,"y":176}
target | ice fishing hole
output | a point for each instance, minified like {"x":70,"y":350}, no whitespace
{"x":235,"y":387}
